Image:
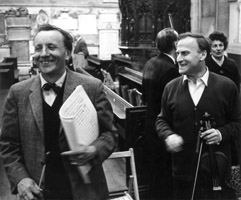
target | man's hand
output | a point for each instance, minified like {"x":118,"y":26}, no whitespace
{"x":211,"y":136}
{"x":174,"y":143}
{"x":29,"y":190}
{"x":82,"y":156}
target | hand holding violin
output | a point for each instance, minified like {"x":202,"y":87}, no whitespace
{"x":211,"y":136}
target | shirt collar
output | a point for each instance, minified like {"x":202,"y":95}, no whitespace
{"x":174,"y":61}
{"x":204,"y":78}
{"x":59,"y":82}
{"x":219,"y":62}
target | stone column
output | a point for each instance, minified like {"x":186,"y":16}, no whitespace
{"x":239,"y":22}
{"x":195,"y":16}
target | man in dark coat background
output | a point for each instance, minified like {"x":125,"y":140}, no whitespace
{"x":158,"y":71}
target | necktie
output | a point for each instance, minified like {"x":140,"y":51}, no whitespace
{"x":53,"y":86}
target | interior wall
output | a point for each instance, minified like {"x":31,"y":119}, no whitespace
{"x":87,"y":18}
{"x":207,"y":16}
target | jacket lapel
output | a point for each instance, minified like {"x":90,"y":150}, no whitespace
{"x":36,"y":99}
{"x":70,"y":84}
{"x":36,"y":102}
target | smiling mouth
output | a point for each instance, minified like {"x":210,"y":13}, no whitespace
{"x":46,"y":62}
{"x":181,"y":65}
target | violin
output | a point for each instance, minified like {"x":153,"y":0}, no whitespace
{"x":213,"y":163}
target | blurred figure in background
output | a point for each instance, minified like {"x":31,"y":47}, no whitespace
{"x":158,"y":71}
{"x":80,"y":53}
{"x":217,"y":61}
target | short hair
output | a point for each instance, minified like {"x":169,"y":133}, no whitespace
{"x":204,"y":43}
{"x":216,"y":35}
{"x":166,"y":39}
{"x":68,"y":39}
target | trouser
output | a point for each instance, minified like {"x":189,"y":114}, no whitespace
{"x":160,"y":169}
{"x":57,"y":196}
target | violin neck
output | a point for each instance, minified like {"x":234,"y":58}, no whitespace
{"x":212,"y":159}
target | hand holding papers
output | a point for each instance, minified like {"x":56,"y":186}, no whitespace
{"x":79,"y":120}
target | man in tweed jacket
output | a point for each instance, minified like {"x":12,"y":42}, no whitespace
{"x":31,"y":128}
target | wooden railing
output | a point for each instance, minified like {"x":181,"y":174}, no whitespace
{"x":129,"y":113}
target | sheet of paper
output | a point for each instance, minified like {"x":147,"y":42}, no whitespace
{"x":79,"y":120}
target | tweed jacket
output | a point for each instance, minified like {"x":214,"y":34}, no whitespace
{"x":22,"y":139}
{"x":179,"y":115}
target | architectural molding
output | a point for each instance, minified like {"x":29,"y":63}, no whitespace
{"x":59,"y":3}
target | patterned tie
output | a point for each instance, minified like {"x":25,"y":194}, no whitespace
{"x":48,"y":86}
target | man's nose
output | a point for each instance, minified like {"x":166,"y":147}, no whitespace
{"x":45,"y":51}
{"x":179,"y":58}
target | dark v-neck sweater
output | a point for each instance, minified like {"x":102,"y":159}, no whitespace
{"x":57,"y":183}
{"x":184,"y":118}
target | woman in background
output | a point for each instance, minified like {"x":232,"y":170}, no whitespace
{"x":219,"y":63}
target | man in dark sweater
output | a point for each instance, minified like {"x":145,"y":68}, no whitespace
{"x":185,"y":101}
{"x":32,"y":137}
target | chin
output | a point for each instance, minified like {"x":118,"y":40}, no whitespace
{"x":181,"y":71}
{"x":218,"y":56}
{"x":46,"y":70}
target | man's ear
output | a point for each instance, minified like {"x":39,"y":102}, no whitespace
{"x":34,"y":61}
{"x":68,"y":55}
{"x":203,"y":55}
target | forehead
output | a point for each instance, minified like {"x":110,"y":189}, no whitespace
{"x":187,"y":44}
{"x":44,"y":37}
{"x":217,"y":42}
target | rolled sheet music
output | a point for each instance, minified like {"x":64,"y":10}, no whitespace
{"x":80,"y":123}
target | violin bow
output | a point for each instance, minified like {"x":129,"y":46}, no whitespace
{"x":170,"y":20}
{"x":199,"y":151}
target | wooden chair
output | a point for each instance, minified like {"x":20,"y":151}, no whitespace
{"x":130,"y":191}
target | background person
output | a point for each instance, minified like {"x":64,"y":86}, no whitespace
{"x":217,"y":61}
{"x":158,"y":71}
{"x":80,"y":53}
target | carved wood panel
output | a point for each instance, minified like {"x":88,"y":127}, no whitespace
{"x":143,"y":19}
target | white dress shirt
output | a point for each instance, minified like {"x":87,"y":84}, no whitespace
{"x":196,"y":89}
{"x":49,"y":96}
